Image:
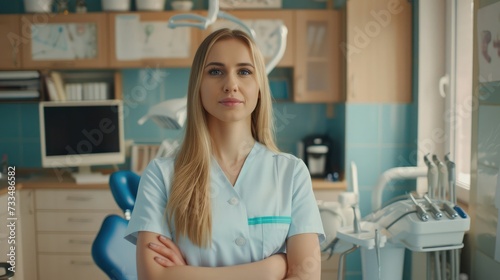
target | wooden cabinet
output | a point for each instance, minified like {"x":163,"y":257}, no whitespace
{"x":11,"y":40}
{"x":155,"y":45}
{"x":317,"y":56}
{"x":379,"y":51}
{"x":67,"y":222}
{"x":264,"y":23}
{"x":19,"y":234}
{"x":58,"y":41}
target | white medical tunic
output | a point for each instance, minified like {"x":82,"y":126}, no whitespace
{"x":271,"y":201}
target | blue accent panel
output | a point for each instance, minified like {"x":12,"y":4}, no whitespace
{"x":144,"y":88}
{"x":270,"y":220}
{"x":363,"y":123}
{"x":10,"y":125}
{"x":31,"y":154}
{"x":353,"y":264}
{"x":336,"y":130}
{"x":295,"y":121}
{"x":30,"y":121}
{"x":13,"y":151}
{"x":394,"y":156}
{"x":367,"y":160}
{"x":394,"y":123}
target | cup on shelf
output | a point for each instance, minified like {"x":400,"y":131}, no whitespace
{"x":182,"y":5}
{"x":38,"y":6}
{"x":115,"y":5}
{"x":150,"y":5}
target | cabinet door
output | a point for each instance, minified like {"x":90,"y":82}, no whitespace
{"x":154,"y":44}
{"x":317,"y":56}
{"x":378,"y":51}
{"x":10,"y":42}
{"x":264,"y":23}
{"x":65,"y":41}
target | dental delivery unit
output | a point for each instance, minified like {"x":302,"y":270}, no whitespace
{"x":430,"y":223}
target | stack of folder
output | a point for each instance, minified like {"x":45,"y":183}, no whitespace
{"x":19,"y":85}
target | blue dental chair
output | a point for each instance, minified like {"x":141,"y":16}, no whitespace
{"x":111,"y":252}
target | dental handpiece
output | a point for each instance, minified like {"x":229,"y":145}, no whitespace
{"x":450,"y":211}
{"x":432,"y":176}
{"x":442,"y":185}
{"x":421,"y":213}
{"x":434,"y":208}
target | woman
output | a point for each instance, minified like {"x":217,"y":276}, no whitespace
{"x":229,"y":203}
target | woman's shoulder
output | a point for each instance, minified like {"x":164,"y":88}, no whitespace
{"x":282,"y":156}
{"x":162,"y":164}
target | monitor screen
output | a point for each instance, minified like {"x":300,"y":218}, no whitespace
{"x":81,"y":133}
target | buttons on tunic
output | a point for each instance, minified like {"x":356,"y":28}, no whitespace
{"x":233,"y":201}
{"x":240,"y":241}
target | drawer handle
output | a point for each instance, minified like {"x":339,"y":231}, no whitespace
{"x":79,"y":220}
{"x":73,"y":262}
{"x":78,"y":198}
{"x":74,"y":241}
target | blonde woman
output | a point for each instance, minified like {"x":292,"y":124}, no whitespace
{"x":229,"y":204}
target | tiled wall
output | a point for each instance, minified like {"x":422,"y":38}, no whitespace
{"x":143,"y":88}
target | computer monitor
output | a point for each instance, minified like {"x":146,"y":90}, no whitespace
{"x":81,"y":134}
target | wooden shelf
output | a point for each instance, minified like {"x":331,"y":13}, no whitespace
{"x":319,"y":184}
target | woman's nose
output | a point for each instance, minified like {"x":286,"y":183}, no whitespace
{"x":230,"y":84}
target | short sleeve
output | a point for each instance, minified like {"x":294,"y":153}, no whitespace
{"x":149,"y":208}
{"x":305,"y":211}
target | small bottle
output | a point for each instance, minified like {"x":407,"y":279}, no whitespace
{"x":81,"y":6}
{"x":62,"y":7}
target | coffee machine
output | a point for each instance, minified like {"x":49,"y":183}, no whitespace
{"x":317,"y":154}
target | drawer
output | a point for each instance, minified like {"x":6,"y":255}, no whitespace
{"x":69,"y":221}
{"x":75,"y":199}
{"x":64,"y":267}
{"x":65,"y":243}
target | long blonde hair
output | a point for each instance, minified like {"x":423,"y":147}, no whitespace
{"x":189,"y":202}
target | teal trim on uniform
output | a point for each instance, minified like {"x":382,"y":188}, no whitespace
{"x":270,"y":220}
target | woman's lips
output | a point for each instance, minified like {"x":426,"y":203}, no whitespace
{"x":230,"y":102}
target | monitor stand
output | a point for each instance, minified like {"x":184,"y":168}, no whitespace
{"x":86,"y":176}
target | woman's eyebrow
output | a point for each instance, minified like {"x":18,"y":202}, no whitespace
{"x":214,"y":63}
{"x":222,"y":64}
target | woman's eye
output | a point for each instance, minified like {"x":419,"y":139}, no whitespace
{"x":214,"y":72}
{"x":245,"y":72}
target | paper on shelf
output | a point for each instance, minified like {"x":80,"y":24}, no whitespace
{"x":129,"y":37}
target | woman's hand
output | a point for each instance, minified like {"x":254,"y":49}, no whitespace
{"x":170,"y":255}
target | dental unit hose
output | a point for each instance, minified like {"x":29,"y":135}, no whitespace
{"x":340,"y":273}
{"x":377,"y":252}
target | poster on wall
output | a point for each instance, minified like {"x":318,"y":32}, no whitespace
{"x":488,"y":30}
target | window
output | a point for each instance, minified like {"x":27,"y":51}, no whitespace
{"x":460,"y":41}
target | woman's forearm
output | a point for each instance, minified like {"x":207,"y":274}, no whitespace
{"x":272,"y":268}
{"x":148,"y":268}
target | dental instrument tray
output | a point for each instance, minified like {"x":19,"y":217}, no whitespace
{"x":416,"y":224}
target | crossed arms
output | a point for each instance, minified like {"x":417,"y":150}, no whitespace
{"x":165,"y":261}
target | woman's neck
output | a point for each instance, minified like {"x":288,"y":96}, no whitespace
{"x":231,"y":142}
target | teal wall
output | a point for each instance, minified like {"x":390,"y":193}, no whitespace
{"x":375,"y":136}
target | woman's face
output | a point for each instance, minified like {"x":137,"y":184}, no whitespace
{"x":229,"y":88}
